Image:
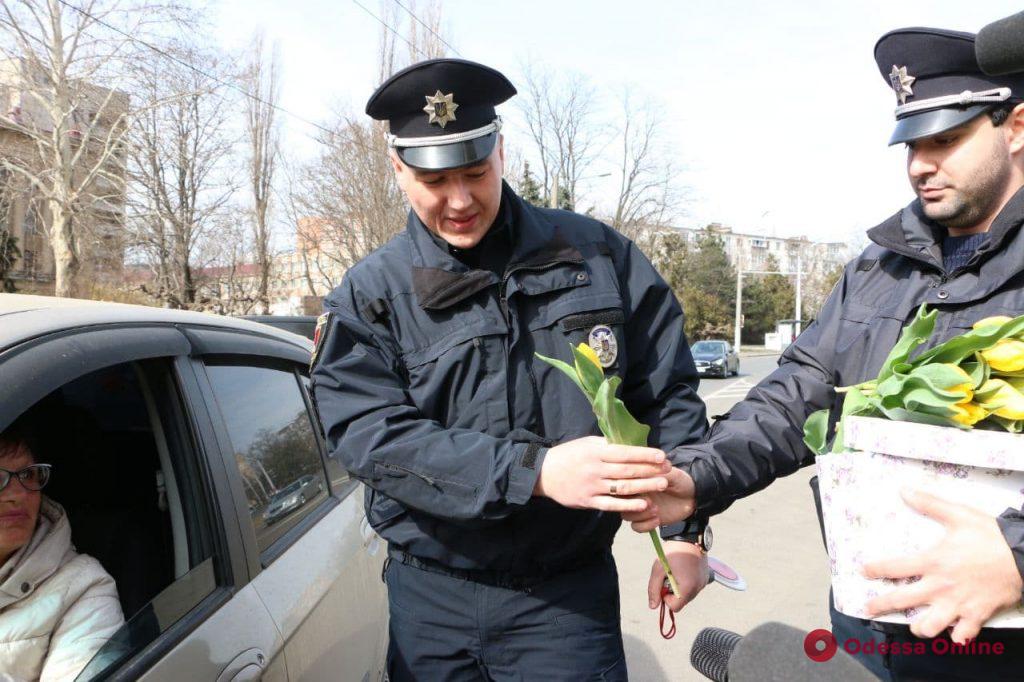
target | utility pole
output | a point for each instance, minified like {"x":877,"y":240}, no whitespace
{"x":739,"y":307}
{"x":799,"y":302}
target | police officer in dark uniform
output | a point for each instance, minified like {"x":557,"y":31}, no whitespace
{"x":482,"y":467}
{"x":957,"y":247}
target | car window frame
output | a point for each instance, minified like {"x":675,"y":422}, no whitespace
{"x":257,"y":351}
{"x":69,"y":354}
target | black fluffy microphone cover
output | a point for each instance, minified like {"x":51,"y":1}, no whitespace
{"x":999,"y":46}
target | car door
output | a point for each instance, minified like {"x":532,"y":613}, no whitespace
{"x":133,"y":471}
{"x":315,"y":560}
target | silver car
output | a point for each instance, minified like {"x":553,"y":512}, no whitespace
{"x":172,"y":436}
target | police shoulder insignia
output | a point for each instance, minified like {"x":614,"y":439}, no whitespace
{"x":320,"y":336}
{"x":602,"y":341}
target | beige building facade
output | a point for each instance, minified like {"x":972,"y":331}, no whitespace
{"x":751,"y":252}
{"x":24,"y":213}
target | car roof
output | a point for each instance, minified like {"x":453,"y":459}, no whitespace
{"x":24,"y":317}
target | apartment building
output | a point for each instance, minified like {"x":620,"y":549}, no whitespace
{"x":23,"y":212}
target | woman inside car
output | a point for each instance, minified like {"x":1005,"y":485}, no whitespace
{"x":57,"y":607}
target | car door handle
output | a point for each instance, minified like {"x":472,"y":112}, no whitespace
{"x":246,"y":666}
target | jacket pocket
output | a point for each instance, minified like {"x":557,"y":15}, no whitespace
{"x":458,"y":380}
{"x":381,"y":510}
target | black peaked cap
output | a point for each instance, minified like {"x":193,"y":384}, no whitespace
{"x":476,"y":88}
{"x":935,"y":63}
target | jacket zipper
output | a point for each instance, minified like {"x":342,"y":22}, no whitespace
{"x":395,"y":467}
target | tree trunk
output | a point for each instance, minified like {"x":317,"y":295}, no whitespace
{"x":65,"y":252}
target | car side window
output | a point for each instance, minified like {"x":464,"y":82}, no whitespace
{"x":128,"y":475}
{"x":275,"y":447}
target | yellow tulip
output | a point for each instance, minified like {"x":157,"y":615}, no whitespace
{"x":1006,"y":356}
{"x":965,"y":388}
{"x":1005,"y":401}
{"x":969,"y":413}
{"x":590,"y":355}
{"x":992,"y":321}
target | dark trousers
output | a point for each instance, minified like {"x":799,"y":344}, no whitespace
{"x":940,"y":660}
{"x":447,"y":627}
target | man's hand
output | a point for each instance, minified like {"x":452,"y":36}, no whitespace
{"x":965,"y":579}
{"x":690,"y":568}
{"x":675,"y":503}
{"x":590,"y":473}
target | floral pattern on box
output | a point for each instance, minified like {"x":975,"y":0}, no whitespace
{"x":866,"y":519}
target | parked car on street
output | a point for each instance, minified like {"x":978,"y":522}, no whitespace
{"x":292,"y":497}
{"x":171,"y":433}
{"x":715,"y":358}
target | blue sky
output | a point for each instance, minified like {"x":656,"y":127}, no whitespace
{"x":775,"y":110}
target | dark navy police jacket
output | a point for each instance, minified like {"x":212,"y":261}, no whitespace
{"x":429,"y":391}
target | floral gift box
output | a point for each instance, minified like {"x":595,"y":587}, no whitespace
{"x":866,"y":519}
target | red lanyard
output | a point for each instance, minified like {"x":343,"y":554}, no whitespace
{"x":665,"y":591}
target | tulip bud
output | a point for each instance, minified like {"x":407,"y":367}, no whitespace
{"x":589,"y":353}
{"x":995,"y":321}
{"x":1002,"y":399}
{"x":968,"y":413}
{"x":1006,"y":356}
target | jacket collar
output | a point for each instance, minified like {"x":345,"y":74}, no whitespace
{"x":440,"y":280}
{"x":912,"y":234}
{"x":40,"y":558}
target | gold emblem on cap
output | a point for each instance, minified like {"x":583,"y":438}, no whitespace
{"x":441,"y":108}
{"x":901,"y":82}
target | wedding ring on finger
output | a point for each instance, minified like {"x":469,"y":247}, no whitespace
{"x":614,"y":489}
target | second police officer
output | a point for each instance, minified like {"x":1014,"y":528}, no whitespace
{"x":482,"y":468}
{"x":958,"y":247}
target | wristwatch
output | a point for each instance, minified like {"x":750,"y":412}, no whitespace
{"x":696,"y":532}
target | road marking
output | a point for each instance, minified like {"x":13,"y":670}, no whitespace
{"x":737,"y":389}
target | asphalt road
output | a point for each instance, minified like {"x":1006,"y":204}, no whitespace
{"x":771,"y":538}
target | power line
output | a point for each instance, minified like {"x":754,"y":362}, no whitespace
{"x":390,"y":28}
{"x":193,"y":67}
{"x":436,"y":34}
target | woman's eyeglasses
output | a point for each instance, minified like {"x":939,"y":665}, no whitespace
{"x":32,"y":477}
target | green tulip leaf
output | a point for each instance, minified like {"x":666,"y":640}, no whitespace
{"x":854,"y":404}
{"x":967,"y":344}
{"x":816,"y":432}
{"x":1011,"y":425}
{"x":979,"y":370}
{"x":622,"y":428}
{"x":914,"y":334}
{"x":590,"y":374}
{"x":568,"y":370}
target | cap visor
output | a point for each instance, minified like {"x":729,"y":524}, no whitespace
{"x":449,"y":156}
{"x":929,"y":123}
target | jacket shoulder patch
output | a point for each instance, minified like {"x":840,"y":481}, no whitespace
{"x":323,"y":328}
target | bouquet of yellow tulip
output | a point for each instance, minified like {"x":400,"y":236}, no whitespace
{"x":975,"y":379}
{"x":616,"y":423}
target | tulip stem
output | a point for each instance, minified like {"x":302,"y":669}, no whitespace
{"x":656,"y":539}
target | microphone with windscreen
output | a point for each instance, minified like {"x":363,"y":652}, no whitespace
{"x":772,"y":652}
{"x":999,"y":46}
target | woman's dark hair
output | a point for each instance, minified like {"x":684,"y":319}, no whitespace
{"x":16,"y":436}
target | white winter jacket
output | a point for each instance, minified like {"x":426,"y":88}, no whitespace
{"x":57,"y":607}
